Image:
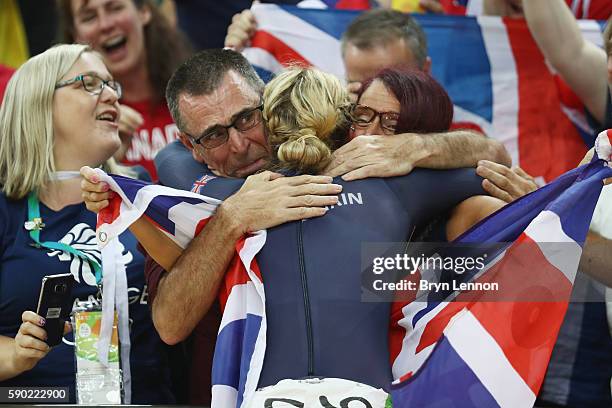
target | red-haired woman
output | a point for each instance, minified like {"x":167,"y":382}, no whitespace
{"x":400,"y":101}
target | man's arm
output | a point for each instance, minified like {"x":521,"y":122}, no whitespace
{"x":397,"y":155}
{"x":186,"y":292}
{"x":596,"y":258}
{"x":581,"y":63}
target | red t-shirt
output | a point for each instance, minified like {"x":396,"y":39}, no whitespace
{"x":5,"y":74}
{"x":203,"y":338}
{"x":156,"y":132}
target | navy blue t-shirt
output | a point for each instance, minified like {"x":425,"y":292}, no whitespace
{"x":176,"y":166}
{"x":22,"y":268}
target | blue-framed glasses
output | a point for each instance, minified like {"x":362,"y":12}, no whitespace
{"x":92,"y":84}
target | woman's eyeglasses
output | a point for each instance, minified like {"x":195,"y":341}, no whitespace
{"x":92,"y":84}
{"x":363,"y":115}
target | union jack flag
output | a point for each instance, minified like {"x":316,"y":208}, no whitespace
{"x":587,"y":9}
{"x":491,"y":68}
{"x":201,"y":183}
{"x":240,"y":346}
{"x":481,"y":351}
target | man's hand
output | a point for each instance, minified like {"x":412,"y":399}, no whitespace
{"x":241,"y":30}
{"x":431,"y":6}
{"x":129,"y":121}
{"x":587,"y":159}
{"x":267,"y":199}
{"x":503,"y":182}
{"x":353,"y":90}
{"x":95,"y":193}
{"x":377,"y":156}
{"x":503,"y":8}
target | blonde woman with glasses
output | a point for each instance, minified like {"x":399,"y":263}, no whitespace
{"x":61,"y":112}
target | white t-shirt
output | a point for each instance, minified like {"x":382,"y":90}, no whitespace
{"x":602,"y":224}
{"x":602,"y":217}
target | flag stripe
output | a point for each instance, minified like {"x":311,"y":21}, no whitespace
{"x":545,"y":229}
{"x":285,"y":55}
{"x":505,"y":85}
{"x":486,"y":359}
{"x":236,"y":309}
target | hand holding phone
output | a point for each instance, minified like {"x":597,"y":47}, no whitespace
{"x":55,"y":304}
{"x":30,"y":344}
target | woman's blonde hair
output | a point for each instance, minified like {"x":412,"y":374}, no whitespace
{"x":26,"y":120}
{"x":305,"y":110}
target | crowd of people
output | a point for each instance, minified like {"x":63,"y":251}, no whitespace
{"x":126,"y":92}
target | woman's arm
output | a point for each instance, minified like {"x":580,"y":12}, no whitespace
{"x":157,"y":244}
{"x":581,"y":63}
{"x":97,"y":195}
{"x":469,"y":212}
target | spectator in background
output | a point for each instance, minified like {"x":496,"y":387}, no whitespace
{"x":581,"y":364}
{"x":580,"y":63}
{"x":5,"y":75}
{"x":142,"y":51}
{"x":582,"y":9}
{"x":52,"y":122}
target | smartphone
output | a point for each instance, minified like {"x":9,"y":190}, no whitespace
{"x":55,"y":305}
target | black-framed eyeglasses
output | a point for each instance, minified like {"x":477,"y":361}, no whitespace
{"x":92,"y":84}
{"x":363,"y":115}
{"x":219,"y":134}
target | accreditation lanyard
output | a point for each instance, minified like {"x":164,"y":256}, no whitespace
{"x":35,"y":224}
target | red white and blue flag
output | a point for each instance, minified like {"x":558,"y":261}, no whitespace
{"x":493,"y":349}
{"x":240,"y":346}
{"x":478,"y":352}
{"x":582,"y":9}
{"x":491,"y":68}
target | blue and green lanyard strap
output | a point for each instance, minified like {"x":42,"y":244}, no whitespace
{"x":35,"y":224}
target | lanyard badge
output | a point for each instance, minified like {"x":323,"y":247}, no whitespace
{"x":96,"y":328}
{"x":96,"y":383}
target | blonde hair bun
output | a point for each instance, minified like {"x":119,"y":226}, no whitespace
{"x":305,"y":153}
{"x":304,"y":108}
